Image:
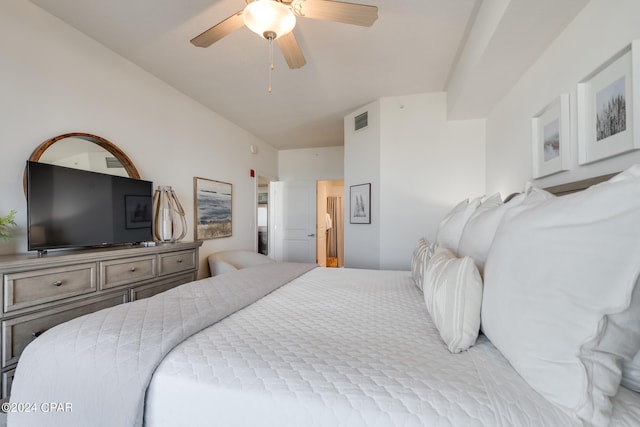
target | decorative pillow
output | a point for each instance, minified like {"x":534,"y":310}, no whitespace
{"x":426,"y":259}
{"x":451,"y":226}
{"x":631,"y":374}
{"x":453,"y":294}
{"x":559,"y":298}
{"x":416,"y":261}
{"x":421,"y":256}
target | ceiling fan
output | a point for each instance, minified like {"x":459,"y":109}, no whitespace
{"x":275,"y":19}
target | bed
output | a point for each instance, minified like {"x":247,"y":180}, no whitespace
{"x":285,"y":344}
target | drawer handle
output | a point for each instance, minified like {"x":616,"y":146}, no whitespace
{"x":132,"y":269}
{"x":38,"y":333}
{"x":57,"y":283}
{"x":179,"y":260}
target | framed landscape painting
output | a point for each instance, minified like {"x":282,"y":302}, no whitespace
{"x":607,"y":125}
{"x":550,"y":137}
{"x":213,"y":203}
{"x":360,"y":210}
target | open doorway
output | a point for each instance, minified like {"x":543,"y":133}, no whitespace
{"x":263,"y":216}
{"x":330,"y":223}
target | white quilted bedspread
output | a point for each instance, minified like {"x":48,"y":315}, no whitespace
{"x":100,"y":364}
{"x":344,"y":347}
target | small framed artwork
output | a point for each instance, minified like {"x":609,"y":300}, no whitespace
{"x":263,"y":198}
{"x":213,"y":203}
{"x":607,"y":125}
{"x":360,"y":210}
{"x":550,"y":138}
{"x":138,"y":211}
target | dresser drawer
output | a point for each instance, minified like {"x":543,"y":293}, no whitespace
{"x":146,"y":291}
{"x":18,"y":332}
{"x":7,"y":380}
{"x":177,"y":261}
{"x":126,"y":271}
{"x":34,"y":287}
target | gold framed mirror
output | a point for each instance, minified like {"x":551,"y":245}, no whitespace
{"x":84,"y":151}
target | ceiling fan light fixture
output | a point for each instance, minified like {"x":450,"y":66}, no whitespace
{"x":268,"y":18}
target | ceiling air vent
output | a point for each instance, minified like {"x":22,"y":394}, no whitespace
{"x":361,"y":120}
{"x":112,"y":162}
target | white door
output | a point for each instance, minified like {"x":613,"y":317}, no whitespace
{"x":298,"y":221}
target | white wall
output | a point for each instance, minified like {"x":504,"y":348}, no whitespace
{"x":427,"y":165}
{"x":362,"y":166}
{"x":55,"y":80}
{"x":420,"y":166}
{"x":325,"y":163}
{"x":601,"y":29}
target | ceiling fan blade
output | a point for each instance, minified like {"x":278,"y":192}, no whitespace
{"x":218,"y":31}
{"x":291,"y":51}
{"x":347,"y":13}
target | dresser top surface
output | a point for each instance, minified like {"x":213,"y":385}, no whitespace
{"x":92,"y":254}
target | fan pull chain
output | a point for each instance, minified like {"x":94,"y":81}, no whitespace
{"x":270,"y":62}
{"x":270,"y":36}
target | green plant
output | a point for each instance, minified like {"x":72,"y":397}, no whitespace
{"x":5,"y":224}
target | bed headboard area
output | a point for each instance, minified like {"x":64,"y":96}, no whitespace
{"x":572,"y":187}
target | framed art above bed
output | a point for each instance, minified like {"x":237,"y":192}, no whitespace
{"x":551,"y":139}
{"x":606,"y":102}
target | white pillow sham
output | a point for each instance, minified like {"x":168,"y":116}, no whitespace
{"x":451,"y":226}
{"x":453,"y":295}
{"x":630,"y":369}
{"x":631,"y":374}
{"x":559,"y":282}
{"x":480,"y":228}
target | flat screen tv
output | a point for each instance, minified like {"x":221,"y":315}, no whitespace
{"x":71,"y":208}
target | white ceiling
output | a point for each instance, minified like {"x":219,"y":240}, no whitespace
{"x":410,"y":49}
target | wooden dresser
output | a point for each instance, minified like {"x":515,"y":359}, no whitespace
{"x":41,"y":292}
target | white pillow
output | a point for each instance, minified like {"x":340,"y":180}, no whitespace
{"x":631,"y":374}
{"x":480,"y":228}
{"x":632,"y":172}
{"x":630,"y":369}
{"x":451,"y":226}
{"x":559,"y":281}
{"x":453,"y":294}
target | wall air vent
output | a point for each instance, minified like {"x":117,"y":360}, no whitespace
{"x":112,"y":162}
{"x":361,"y":120}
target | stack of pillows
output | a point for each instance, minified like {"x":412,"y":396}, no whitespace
{"x":552,"y":280}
